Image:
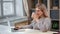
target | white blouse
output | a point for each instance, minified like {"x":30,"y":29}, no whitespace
{"x":42,"y":24}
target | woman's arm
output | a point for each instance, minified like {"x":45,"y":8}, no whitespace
{"x":24,"y":27}
{"x":46,"y":26}
{"x":29,"y":26}
{"x":35,"y":18}
{"x":47,"y":23}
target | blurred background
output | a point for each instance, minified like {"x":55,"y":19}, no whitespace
{"x":16,"y":13}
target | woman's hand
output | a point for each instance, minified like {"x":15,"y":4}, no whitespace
{"x":35,"y":16}
{"x":17,"y":28}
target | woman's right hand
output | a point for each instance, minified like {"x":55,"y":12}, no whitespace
{"x":17,"y":28}
{"x":34,"y":16}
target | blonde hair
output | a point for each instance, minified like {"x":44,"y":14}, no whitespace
{"x":43,"y":8}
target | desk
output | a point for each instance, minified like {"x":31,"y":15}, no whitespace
{"x":28,"y":31}
{"x":32,"y":31}
{"x":5,"y":30}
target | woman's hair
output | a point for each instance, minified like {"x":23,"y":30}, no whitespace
{"x":42,"y":7}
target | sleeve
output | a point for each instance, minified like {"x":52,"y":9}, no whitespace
{"x":47,"y":24}
{"x":28,"y":26}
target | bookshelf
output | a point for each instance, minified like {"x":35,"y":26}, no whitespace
{"x":53,"y":8}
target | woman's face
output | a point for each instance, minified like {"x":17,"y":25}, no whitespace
{"x":39,"y":12}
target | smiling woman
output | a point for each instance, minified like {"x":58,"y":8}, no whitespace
{"x":40,"y":21}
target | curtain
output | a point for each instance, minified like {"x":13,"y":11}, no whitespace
{"x":25,"y":4}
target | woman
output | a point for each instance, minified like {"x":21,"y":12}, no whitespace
{"x":40,"y":21}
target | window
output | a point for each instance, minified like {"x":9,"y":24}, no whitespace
{"x":7,"y":8}
{"x":7,"y":0}
{"x":0,"y":7}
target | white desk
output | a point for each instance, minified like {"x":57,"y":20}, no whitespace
{"x":6,"y":30}
{"x":29,"y":31}
{"x":32,"y":31}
